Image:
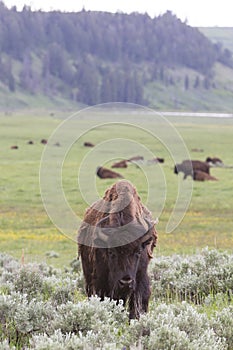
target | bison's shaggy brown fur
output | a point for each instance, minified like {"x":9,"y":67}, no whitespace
{"x":116,"y":241}
{"x":121,"y":164}
{"x":201,"y":176}
{"x":189,"y":166}
{"x":105,"y":173}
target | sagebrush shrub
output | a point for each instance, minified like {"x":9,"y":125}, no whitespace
{"x":222,"y":323}
{"x":43,"y":308}
{"x":192,"y":278}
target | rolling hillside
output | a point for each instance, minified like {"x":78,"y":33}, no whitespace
{"x":65,"y":60}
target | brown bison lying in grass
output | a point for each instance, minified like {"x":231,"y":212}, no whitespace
{"x":201,"y":176}
{"x":116,"y":241}
{"x":121,"y":164}
{"x":136,"y":158}
{"x":188,"y":166}
{"x":155,"y":160}
{"x":105,"y":173}
{"x":88,"y":144}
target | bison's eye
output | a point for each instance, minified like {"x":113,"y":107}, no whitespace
{"x":144,"y":244}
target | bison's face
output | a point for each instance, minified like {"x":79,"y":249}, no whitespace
{"x":124,"y":263}
{"x":122,"y":270}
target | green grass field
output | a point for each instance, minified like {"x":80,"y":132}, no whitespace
{"x":25,"y":225}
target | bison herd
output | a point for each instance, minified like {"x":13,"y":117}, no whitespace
{"x":198,"y":170}
{"x":105,"y":173}
{"x":30,"y":142}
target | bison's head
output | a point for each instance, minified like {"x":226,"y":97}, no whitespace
{"x":126,"y":257}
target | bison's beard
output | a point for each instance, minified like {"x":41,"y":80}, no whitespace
{"x":123,"y":293}
{"x":131,"y":299}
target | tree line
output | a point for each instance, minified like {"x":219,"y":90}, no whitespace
{"x":94,"y":57}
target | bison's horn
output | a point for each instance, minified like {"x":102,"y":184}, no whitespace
{"x":150,"y":223}
{"x":156,"y":221}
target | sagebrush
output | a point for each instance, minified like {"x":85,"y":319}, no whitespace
{"x":191,"y":307}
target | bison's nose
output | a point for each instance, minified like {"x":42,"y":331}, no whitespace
{"x":126,"y":281}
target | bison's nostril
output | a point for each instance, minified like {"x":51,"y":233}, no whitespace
{"x":126,"y":281}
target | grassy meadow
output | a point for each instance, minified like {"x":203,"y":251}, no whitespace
{"x":26,"y":227}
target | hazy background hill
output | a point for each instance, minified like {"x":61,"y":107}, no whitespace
{"x":64,"y":59}
{"x":220,"y":35}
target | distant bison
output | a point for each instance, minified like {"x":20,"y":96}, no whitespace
{"x":121,"y":164}
{"x":105,"y":173}
{"x":136,"y":158}
{"x":188,"y":166}
{"x":116,"y":242}
{"x":201,"y":176}
{"x":30,"y":142}
{"x":44,"y":141}
{"x":155,"y":160}
{"x":197,"y":150}
{"x":14,"y":147}
{"x":88,"y":144}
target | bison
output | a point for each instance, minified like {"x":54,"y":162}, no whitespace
{"x":136,"y":158}
{"x":201,"y":176}
{"x":105,"y":173}
{"x":155,"y":161}
{"x":197,"y":150}
{"x":88,"y":144}
{"x":44,"y":141}
{"x":188,"y":166}
{"x":121,"y":164}
{"x":115,"y":242}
